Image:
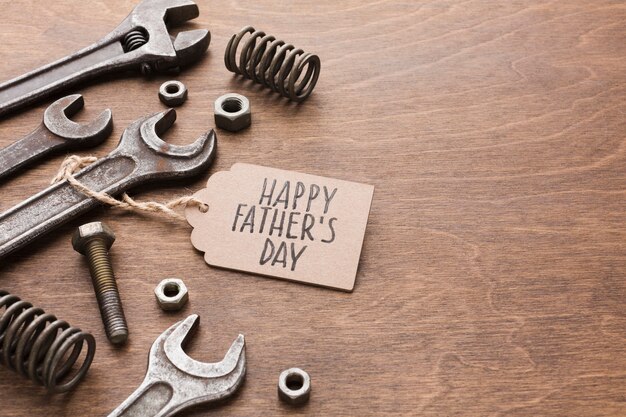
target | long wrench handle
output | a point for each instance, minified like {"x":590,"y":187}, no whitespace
{"x":49,"y":79}
{"x":31,"y":147}
{"x":151,"y":399}
{"x":60,"y":202}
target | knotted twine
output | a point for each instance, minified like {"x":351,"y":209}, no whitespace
{"x":72,"y":164}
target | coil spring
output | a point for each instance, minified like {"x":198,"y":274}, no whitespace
{"x":135,"y":39}
{"x":273,"y":63}
{"x":36,"y":344}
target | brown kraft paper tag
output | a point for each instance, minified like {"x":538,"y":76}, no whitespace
{"x":282,"y":224}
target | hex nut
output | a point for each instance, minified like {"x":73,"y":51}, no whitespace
{"x":232,"y":112}
{"x":85,"y":233}
{"x":171,"y":294}
{"x":294,"y":386}
{"x":173,"y":93}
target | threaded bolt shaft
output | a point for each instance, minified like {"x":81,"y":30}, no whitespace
{"x":106,"y":290}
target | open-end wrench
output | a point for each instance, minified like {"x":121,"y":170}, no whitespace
{"x":174,"y":381}
{"x":56,"y":132}
{"x":141,"y":41}
{"x":140,"y":157}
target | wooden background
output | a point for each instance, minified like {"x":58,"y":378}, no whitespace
{"x":492,"y":275}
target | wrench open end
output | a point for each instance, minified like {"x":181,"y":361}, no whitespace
{"x":57,"y":120}
{"x":178,"y":338}
{"x":156,"y":17}
{"x":183,"y":160}
{"x":175,"y":382}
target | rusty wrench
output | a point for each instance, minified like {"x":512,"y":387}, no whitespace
{"x":141,"y":156}
{"x":141,"y":41}
{"x":56,"y":132}
{"x":174,"y":381}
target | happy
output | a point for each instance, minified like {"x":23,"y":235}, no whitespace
{"x":293,"y":195}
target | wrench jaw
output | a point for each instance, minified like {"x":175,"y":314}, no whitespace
{"x":172,"y":12}
{"x":176,"y":340}
{"x":158,"y":160}
{"x":161,"y":51}
{"x":191,"y":382}
{"x":190,"y":45}
{"x":211,"y":381}
{"x":56,"y":119}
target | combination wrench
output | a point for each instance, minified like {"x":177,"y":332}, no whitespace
{"x":56,"y":132}
{"x":141,"y":156}
{"x":142,"y":41}
{"x":174,"y":381}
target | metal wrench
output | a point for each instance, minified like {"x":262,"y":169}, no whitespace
{"x":174,"y":381}
{"x":141,"y":41}
{"x":140,"y":157}
{"x":56,"y":132}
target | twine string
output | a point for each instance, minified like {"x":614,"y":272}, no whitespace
{"x":72,"y":164}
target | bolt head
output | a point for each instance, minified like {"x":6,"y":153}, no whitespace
{"x":171,"y":294}
{"x":87,"y":232}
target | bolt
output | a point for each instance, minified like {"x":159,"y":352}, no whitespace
{"x":94,"y":241}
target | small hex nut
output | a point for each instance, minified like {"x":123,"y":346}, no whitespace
{"x":294,"y":386}
{"x":232,"y":112}
{"x":173,"y":93}
{"x":171,"y":294}
{"x":95,"y":230}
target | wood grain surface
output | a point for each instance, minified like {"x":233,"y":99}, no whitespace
{"x":492,"y":276}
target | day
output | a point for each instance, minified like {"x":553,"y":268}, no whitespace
{"x":279,"y":255}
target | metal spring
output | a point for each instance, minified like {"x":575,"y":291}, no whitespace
{"x":135,"y":39}
{"x":36,"y":345}
{"x":274,"y":64}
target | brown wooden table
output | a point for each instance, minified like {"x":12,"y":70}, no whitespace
{"x":492,"y":276}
